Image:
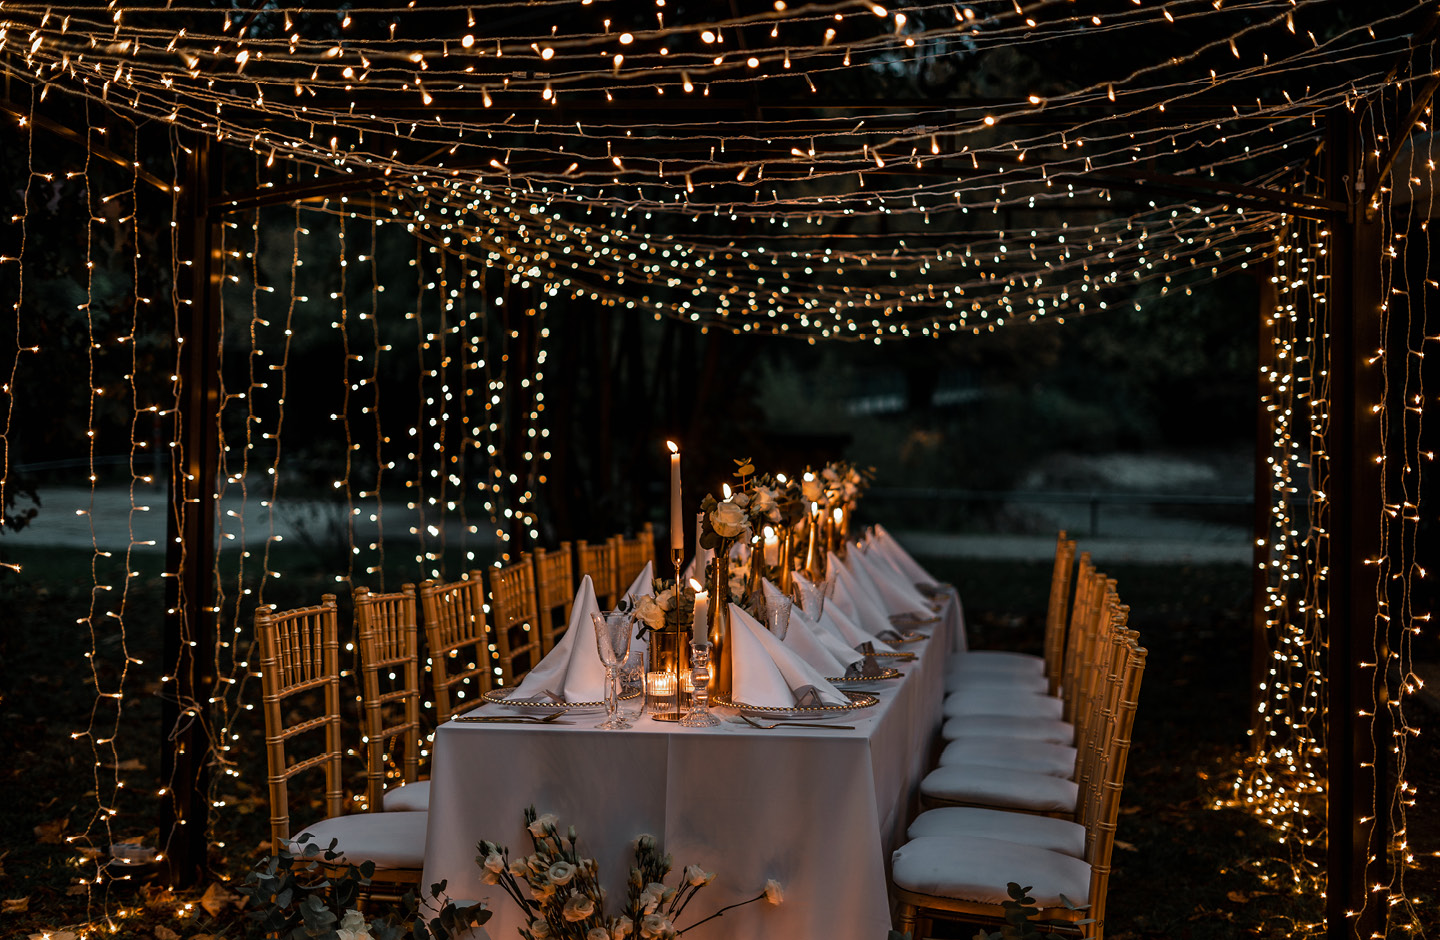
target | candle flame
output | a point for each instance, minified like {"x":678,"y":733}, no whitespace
{"x":779,"y":478}
{"x":769,"y":532}
{"x":696,"y":586}
{"x":674,"y":448}
{"x":725,"y":487}
{"x":839,"y":514}
{"x":814,"y":509}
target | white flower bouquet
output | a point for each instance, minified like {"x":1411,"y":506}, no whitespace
{"x":559,"y":890}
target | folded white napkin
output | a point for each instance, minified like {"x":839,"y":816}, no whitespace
{"x":895,"y":595}
{"x":852,"y":633}
{"x":642,"y":586}
{"x":766,"y":673}
{"x":644,"y":582}
{"x":572,"y":672}
{"x":828,"y":637}
{"x":856,"y":598}
{"x":802,"y":639}
{"x":829,"y":618}
{"x":901,"y":558}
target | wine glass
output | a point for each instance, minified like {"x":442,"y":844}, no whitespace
{"x":613,"y":632}
{"x":777,"y":614}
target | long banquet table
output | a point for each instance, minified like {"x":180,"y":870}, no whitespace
{"x":817,"y":810}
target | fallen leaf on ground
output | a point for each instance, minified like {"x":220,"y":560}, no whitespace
{"x":1239,"y":897}
{"x":165,"y":933}
{"x":15,"y":905}
{"x":1125,"y":846}
{"x":49,"y":833}
{"x":216,"y":899}
{"x":1129,"y":810}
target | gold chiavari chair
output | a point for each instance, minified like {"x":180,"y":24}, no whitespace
{"x":389,"y":640}
{"x":1035,"y":718}
{"x":965,"y":876}
{"x":631,"y":556}
{"x":462,"y":661}
{"x":599,"y":562}
{"x":300,"y":662}
{"x":1034,"y":776}
{"x":515,"y":619}
{"x":1025,"y":671}
{"x":555,"y":591}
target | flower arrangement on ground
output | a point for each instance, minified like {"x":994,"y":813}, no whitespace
{"x":559,"y":890}
{"x":314,"y":894}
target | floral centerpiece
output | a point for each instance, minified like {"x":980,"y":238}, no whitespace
{"x":559,"y":892}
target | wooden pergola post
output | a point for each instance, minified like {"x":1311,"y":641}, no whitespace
{"x":189,"y":640}
{"x":1357,"y":834}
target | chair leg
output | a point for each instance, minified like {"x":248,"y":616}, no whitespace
{"x":905,"y":921}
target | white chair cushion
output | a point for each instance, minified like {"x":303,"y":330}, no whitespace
{"x":1041,"y":832}
{"x":1022,"y":729}
{"x":390,"y":840}
{"x":979,"y":869}
{"x":1040,"y":757}
{"x":410,"y":798}
{"x":993,"y":700}
{"x":995,"y":786}
{"x":997,"y":661}
{"x":977,"y":679}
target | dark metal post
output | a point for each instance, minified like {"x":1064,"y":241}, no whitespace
{"x":1356,"y":777}
{"x":189,"y":642}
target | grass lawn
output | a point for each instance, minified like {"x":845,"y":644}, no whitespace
{"x":1182,"y":869}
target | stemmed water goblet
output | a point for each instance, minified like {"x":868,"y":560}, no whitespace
{"x":777,"y":614}
{"x":613,"y":633}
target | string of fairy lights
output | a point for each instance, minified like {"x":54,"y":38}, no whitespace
{"x":737,"y":173}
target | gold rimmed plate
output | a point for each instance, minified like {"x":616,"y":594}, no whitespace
{"x":857,"y":701}
{"x":889,"y":672}
{"x":912,"y":620}
{"x":902,"y":655}
{"x":501,"y":696}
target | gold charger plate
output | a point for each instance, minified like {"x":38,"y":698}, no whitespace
{"x":889,"y":672}
{"x":857,"y":700}
{"x":501,"y":696}
{"x":902,"y":655}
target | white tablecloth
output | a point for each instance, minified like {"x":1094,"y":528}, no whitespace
{"x":817,"y":810}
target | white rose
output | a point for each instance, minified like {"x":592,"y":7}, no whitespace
{"x":620,"y":930}
{"x":696,"y":875}
{"x":773,"y":892}
{"x":578,"y":907}
{"x":487,"y":877}
{"x":518,"y":868}
{"x":352,"y":926}
{"x":539,"y":929}
{"x":495,"y":862}
{"x":654,"y":926}
{"x":543,"y":891}
{"x":812,"y":491}
{"x":650,"y":612}
{"x":729,"y":520}
{"x":830,"y":475}
{"x":537,"y":828}
{"x":561,"y":873}
{"x":597,"y":933}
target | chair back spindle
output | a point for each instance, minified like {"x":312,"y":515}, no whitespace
{"x":299,"y":659}
{"x":515,"y":617}
{"x":385,"y":626}
{"x":599,"y":562}
{"x":463,"y":659}
{"x":555,"y":590}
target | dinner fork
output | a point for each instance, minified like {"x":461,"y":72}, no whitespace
{"x":532,"y":719}
{"x":793,"y":724}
